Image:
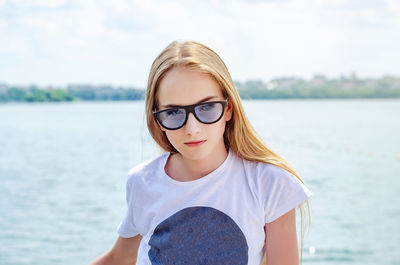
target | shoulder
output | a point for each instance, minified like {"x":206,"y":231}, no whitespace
{"x":271,"y":179}
{"x":146,"y":169}
{"x":267,"y":171}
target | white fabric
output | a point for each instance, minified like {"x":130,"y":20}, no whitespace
{"x":250,"y":193}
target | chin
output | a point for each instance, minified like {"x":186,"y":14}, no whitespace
{"x":195,"y":153}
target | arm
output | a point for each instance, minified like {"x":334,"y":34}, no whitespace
{"x":281,"y":240}
{"x":124,"y":252}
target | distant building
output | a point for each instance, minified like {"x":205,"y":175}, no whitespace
{"x":272,"y":85}
{"x":286,"y":82}
{"x":3,"y":87}
{"x":318,"y":80}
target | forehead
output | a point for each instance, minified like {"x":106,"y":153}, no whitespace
{"x":182,"y":86}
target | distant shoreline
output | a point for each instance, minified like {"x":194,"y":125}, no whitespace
{"x":277,"y":89}
{"x":142,"y":100}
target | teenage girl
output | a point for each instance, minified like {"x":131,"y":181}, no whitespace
{"x":217,"y":195}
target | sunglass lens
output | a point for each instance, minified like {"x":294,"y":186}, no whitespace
{"x":209,"y":112}
{"x":172,"y":118}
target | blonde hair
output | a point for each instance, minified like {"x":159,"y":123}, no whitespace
{"x":239,"y":134}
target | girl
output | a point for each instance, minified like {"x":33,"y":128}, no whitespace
{"x":218,"y":195}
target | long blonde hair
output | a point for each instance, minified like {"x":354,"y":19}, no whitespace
{"x":239,"y":134}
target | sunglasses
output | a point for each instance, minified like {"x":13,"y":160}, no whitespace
{"x":205,"y":112}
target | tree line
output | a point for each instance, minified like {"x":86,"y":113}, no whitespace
{"x":34,"y":94}
{"x":318,"y":87}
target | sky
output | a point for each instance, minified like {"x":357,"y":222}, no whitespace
{"x":103,"y":42}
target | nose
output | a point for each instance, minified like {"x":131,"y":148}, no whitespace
{"x":192,"y":125}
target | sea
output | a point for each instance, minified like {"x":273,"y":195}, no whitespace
{"x":63,"y":170}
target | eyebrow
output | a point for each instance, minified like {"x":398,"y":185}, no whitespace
{"x":203,"y":100}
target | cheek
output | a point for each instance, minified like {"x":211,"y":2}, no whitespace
{"x":173,"y":136}
{"x":218,"y":129}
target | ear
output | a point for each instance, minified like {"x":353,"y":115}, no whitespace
{"x":228,"y":112}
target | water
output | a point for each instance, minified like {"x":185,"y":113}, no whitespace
{"x":63,"y":169}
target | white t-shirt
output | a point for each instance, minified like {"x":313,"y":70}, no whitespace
{"x":217,"y":219}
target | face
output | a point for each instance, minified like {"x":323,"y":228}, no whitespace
{"x":182,"y":87}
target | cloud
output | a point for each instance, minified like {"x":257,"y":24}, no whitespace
{"x":38,"y":3}
{"x":115,"y":41}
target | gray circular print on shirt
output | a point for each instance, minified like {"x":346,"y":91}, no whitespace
{"x":198,"y":236}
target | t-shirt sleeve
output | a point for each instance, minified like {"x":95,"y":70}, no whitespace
{"x":127,"y":226}
{"x":281,"y":192}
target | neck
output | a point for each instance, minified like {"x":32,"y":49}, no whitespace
{"x":185,"y":169}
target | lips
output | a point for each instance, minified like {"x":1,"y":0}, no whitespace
{"x":195,"y":143}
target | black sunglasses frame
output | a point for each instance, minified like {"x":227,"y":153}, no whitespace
{"x":190,"y":109}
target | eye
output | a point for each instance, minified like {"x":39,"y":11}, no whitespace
{"x":173,"y":112}
{"x":207,"y":106}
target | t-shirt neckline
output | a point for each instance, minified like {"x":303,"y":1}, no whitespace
{"x":203,"y":179}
